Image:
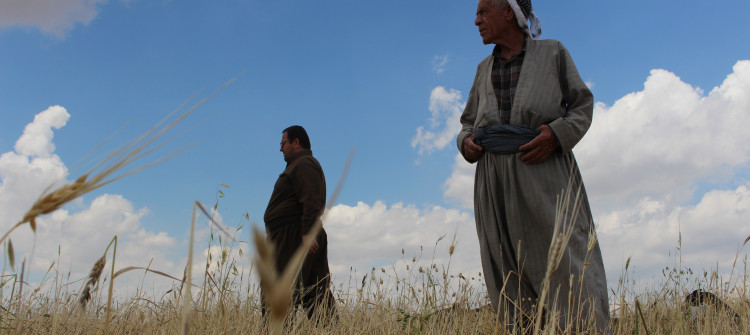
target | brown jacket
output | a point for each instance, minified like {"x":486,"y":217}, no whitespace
{"x":299,"y":192}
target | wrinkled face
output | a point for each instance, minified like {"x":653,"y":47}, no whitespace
{"x":490,"y":21}
{"x":289,"y":148}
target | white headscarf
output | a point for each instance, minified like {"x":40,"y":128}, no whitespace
{"x":527,"y":19}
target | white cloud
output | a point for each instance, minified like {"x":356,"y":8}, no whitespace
{"x":83,"y":236}
{"x":459,"y":187}
{"x":438,"y":63}
{"x":711,"y":234}
{"x":81,"y":233}
{"x":363,"y":236}
{"x":659,"y":141}
{"x":51,"y":17}
{"x":37,"y":136}
{"x":445,"y":109}
{"x":32,"y":167}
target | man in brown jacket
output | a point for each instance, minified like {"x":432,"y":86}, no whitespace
{"x":297,"y":201}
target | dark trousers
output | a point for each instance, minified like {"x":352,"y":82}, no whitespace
{"x":312,"y":290}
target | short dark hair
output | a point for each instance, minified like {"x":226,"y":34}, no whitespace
{"x":297,"y":132}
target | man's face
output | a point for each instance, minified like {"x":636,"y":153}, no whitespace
{"x":490,"y":21}
{"x":289,"y":147}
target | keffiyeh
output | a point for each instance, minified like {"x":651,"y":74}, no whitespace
{"x":527,"y":19}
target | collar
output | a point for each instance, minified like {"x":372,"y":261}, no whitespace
{"x":304,"y":152}
{"x":498,"y":48}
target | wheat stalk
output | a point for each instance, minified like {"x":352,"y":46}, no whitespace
{"x":116,"y":161}
{"x":111,"y":285}
{"x":188,"y":300}
{"x":131,"y":268}
{"x":563,"y":230}
{"x":19,"y":324}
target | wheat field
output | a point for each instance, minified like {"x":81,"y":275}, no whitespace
{"x":413,"y":300}
{"x":228,"y":302}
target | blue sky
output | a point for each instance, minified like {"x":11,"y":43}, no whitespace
{"x":664,"y":146}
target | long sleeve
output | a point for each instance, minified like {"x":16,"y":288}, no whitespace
{"x":310,"y":190}
{"x":469,"y":115}
{"x":578,"y":100}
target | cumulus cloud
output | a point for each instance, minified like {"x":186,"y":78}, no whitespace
{"x":364,"y":236}
{"x":51,"y":17}
{"x":82,"y":237}
{"x":37,"y":136}
{"x":75,"y":236}
{"x":659,"y":141}
{"x":32,"y":167}
{"x":705,"y":237}
{"x":445,"y":109}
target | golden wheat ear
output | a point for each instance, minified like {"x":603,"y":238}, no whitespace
{"x":96,"y":273}
{"x":93,"y":280}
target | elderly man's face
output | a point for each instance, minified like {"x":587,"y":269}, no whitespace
{"x":491,"y":21}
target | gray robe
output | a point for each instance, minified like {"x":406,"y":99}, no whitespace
{"x":514,"y":203}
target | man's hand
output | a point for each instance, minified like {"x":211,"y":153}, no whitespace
{"x":540,"y":147}
{"x":314,"y":247}
{"x":472,"y":151}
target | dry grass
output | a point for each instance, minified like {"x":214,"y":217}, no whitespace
{"x":418,"y":304}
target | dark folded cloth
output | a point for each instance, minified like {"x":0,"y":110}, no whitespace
{"x":504,"y":139}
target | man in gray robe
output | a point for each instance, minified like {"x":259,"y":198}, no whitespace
{"x":527,"y":109}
